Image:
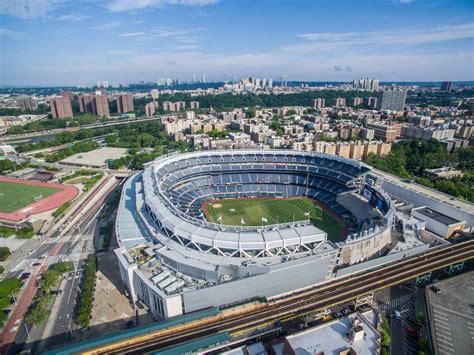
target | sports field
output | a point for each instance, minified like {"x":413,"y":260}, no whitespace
{"x":14,"y":196}
{"x":251,"y":211}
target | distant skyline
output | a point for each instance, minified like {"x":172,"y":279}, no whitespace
{"x":73,"y":42}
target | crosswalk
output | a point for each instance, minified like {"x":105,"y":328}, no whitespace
{"x":395,"y":303}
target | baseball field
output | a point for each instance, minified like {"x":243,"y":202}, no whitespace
{"x":258,"y":211}
{"x":14,"y":196}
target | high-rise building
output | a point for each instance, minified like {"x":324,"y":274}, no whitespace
{"x":124,"y":103}
{"x":371,"y":102}
{"x":194,"y":104}
{"x":101,"y":106}
{"x":174,"y":106}
{"x":203,"y":78}
{"x":446,"y":86}
{"x":270,"y":83}
{"x":27,"y":103}
{"x":86,"y":102}
{"x":150,"y":108}
{"x":67,"y":94}
{"x":356,"y":101}
{"x":365,"y":84}
{"x":340,"y":101}
{"x":61,"y":107}
{"x":393,"y":100}
{"x":97,"y":104}
{"x":319,"y":103}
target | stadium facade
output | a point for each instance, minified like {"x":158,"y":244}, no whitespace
{"x":174,"y":261}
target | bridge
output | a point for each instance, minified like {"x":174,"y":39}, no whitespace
{"x":240,"y":321}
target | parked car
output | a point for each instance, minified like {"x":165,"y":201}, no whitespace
{"x":25,"y":275}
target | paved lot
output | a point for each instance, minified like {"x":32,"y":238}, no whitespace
{"x":112,"y":309}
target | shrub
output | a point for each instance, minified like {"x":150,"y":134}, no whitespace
{"x":4,"y":253}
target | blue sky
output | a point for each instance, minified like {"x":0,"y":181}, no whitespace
{"x":63,"y":42}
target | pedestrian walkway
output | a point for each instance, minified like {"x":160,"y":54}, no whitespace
{"x":395,"y":303}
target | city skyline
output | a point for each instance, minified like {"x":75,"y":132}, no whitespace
{"x":53,"y":43}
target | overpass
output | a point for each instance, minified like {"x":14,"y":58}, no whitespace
{"x":240,"y":321}
{"x":22,"y":138}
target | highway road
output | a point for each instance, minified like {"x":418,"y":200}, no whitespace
{"x":322,"y":297}
{"x":22,"y":138}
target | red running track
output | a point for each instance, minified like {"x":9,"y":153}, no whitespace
{"x":66,"y":193}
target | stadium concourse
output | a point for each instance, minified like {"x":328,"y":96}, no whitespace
{"x":174,"y":261}
{"x":21,"y":199}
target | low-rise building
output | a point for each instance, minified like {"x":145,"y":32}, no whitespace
{"x":438,"y":222}
{"x":444,"y":172}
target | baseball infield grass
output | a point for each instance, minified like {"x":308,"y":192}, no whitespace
{"x":273,"y":211}
{"x":15,"y":196}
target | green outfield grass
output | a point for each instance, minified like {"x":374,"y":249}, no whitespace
{"x":231,"y":211}
{"x":14,"y":196}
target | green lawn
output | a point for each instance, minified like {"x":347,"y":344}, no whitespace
{"x":251,"y":211}
{"x":14,"y":196}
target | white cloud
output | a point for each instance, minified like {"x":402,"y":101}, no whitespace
{"x":107,"y":26}
{"x":6,"y":32}
{"x":129,"y":5}
{"x":167,"y":32}
{"x":175,"y":37}
{"x":403,"y":1}
{"x":187,"y":47}
{"x":73,"y":17}
{"x":383,"y":38}
{"x":119,"y":52}
{"x":131,"y":34}
{"x":28,"y":9}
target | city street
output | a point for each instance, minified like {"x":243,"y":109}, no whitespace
{"x":74,"y":246}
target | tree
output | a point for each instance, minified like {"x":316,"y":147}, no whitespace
{"x":420,"y":319}
{"x":250,"y":113}
{"x":49,"y":280}
{"x":423,"y":345}
{"x":38,"y":312}
{"x":4,"y":253}
{"x":385,"y":340}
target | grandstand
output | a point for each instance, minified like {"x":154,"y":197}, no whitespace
{"x":176,"y":261}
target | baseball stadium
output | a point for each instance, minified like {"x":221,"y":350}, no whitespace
{"x":217,"y":228}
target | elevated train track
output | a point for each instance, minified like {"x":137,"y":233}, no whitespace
{"x":341,"y":290}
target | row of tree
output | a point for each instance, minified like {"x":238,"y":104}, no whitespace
{"x":39,"y":310}
{"x":87,"y":295}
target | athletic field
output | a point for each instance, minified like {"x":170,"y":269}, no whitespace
{"x":249,"y":212}
{"x":14,"y":196}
